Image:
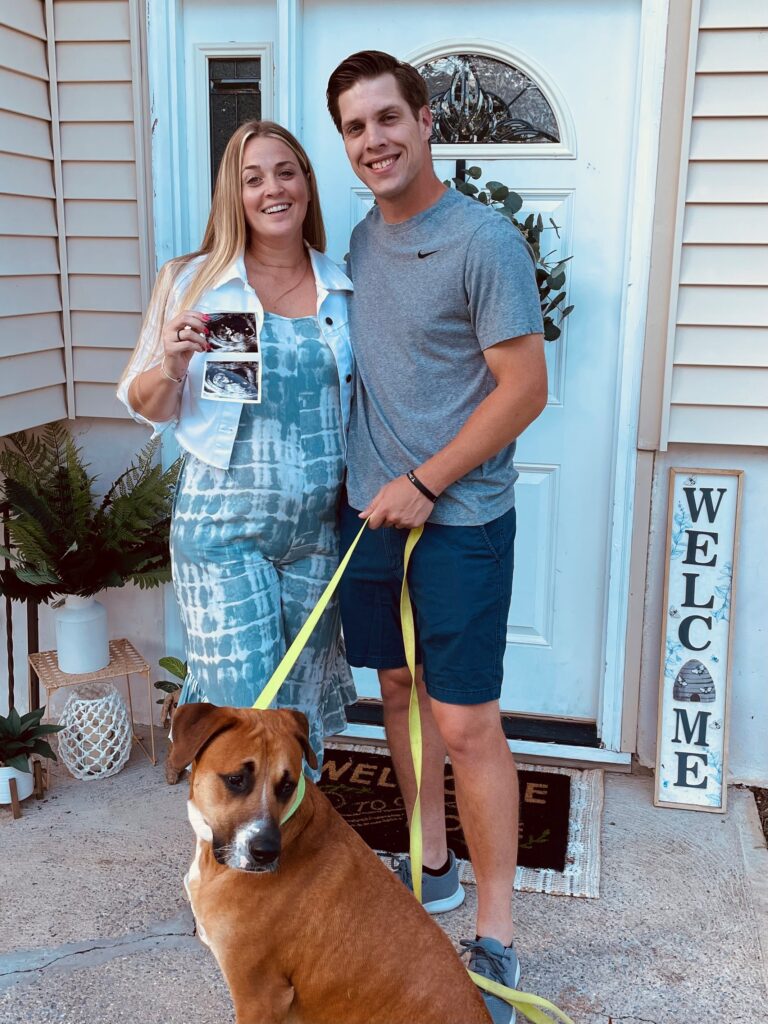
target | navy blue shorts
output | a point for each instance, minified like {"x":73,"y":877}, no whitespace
{"x":460,"y":580}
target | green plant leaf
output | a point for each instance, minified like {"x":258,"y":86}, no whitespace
{"x":32,"y":717}
{"x":44,"y":749}
{"x":514,"y":202}
{"x":175,"y":666}
{"x":166,"y":687}
{"x":551,"y":331}
{"x":20,"y":763}
{"x":497,"y":191}
{"x":48,"y":729}
{"x":474,"y":172}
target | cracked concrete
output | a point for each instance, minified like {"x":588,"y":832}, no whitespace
{"x":95,"y":929}
{"x":176,"y":933}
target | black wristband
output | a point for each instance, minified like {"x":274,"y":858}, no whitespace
{"x":420,"y":486}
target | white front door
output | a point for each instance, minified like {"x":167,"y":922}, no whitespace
{"x":584,"y":56}
{"x":555,"y":635}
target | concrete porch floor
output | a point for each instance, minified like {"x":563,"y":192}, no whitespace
{"x":94,"y":930}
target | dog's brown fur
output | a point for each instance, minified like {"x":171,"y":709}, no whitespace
{"x":331,"y":936}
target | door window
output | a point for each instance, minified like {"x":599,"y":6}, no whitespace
{"x":235,"y":96}
{"x":479,"y":99}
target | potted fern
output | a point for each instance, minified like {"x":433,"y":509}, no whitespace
{"x":20,"y":737}
{"x":68,"y":544}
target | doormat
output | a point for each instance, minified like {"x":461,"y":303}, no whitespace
{"x":560,"y":812}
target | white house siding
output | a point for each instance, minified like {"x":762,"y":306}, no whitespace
{"x":104,"y":191}
{"x":32,"y":355}
{"x":74,"y":266}
{"x":716,"y":383}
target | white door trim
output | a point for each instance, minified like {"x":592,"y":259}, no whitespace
{"x":289,"y":65}
{"x":641,"y":201}
{"x":171,"y":238}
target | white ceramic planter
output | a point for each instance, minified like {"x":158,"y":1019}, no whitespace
{"x":25,"y":783}
{"x":82,"y":637}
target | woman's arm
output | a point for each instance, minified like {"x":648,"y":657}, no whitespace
{"x":155,"y":393}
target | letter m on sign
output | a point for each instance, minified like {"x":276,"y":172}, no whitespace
{"x":699,"y":723}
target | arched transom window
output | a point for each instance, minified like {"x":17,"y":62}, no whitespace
{"x":477,"y":98}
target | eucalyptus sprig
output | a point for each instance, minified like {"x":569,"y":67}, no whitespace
{"x":550,"y":277}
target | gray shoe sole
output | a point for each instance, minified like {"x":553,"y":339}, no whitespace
{"x":447,"y":903}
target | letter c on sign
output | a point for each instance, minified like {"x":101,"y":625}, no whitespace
{"x":684,"y":632}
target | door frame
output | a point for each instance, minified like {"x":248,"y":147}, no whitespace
{"x":166,"y":86}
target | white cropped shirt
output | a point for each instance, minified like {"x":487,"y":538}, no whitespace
{"x":207,"y":429}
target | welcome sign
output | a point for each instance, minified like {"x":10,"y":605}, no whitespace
{"x":702,"y":542}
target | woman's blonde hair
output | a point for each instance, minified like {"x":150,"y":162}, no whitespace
{"x":224,"y":240}
{"x":226,"y":232}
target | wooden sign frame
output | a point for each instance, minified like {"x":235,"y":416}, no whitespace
{"x":697,"y":634}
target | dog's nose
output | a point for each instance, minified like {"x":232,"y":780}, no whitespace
{"x":264,"y":848}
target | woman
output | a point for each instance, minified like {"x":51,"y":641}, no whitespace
{"x":254,"y":533}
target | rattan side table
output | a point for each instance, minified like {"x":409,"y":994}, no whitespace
{"x":124,"y":659}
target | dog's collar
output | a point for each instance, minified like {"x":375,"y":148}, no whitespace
{"x":300,"y":790}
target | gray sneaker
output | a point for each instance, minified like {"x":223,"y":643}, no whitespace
{"x":490,"y":959}
{"x":439,"y":893}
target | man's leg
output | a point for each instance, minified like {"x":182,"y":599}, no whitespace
{"x":487,"y":794}
{"x":395,"y":694}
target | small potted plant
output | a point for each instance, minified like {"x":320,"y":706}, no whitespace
{"x":176,"y":668}
{"x":68,"y":544}
{"x":20,"y":737}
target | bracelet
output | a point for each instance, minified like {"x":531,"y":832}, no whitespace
{"x":421,"y":487}
{"x":176,"y":380}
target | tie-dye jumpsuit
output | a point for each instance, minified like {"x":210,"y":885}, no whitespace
{"x":253,"y":546}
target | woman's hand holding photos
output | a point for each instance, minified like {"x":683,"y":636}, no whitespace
{"x":182,"y":336}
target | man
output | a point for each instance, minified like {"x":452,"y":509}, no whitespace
{"x":446,"y":328}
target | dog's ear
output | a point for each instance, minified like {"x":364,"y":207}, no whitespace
{"x":300,"y":728}
{"x":192,"y":726}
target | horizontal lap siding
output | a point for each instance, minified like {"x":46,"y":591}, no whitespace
{"x":718,"y":391}
{"x":102,"y":209}
{"x":32,"y":365}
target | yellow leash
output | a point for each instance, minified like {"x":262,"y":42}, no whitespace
{"x":534,"y":1008}
{"x":280,"y":674}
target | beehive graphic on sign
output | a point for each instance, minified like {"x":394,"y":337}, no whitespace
{"x":694,"y":683}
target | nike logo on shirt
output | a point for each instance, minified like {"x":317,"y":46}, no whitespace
{"x":423,"y":255}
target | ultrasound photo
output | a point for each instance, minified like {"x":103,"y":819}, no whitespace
{"x":233,"y":368}
{"x":232,"y":377}
{"x":233,"y":332}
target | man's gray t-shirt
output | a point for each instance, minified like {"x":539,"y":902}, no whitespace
{"x":431,"y":294}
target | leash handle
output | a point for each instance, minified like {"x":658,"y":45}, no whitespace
{"x":290,"y":657}
{"x":535,"y":1008}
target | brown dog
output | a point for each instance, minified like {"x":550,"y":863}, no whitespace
{"x":306,"y":923}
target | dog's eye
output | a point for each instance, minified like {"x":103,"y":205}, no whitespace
{"x":236,"y":783}
{"x":285,"y":788}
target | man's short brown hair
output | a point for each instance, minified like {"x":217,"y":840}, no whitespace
{"x":371,"y":64}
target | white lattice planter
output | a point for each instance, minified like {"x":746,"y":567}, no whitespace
{"x":96,"y":739}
